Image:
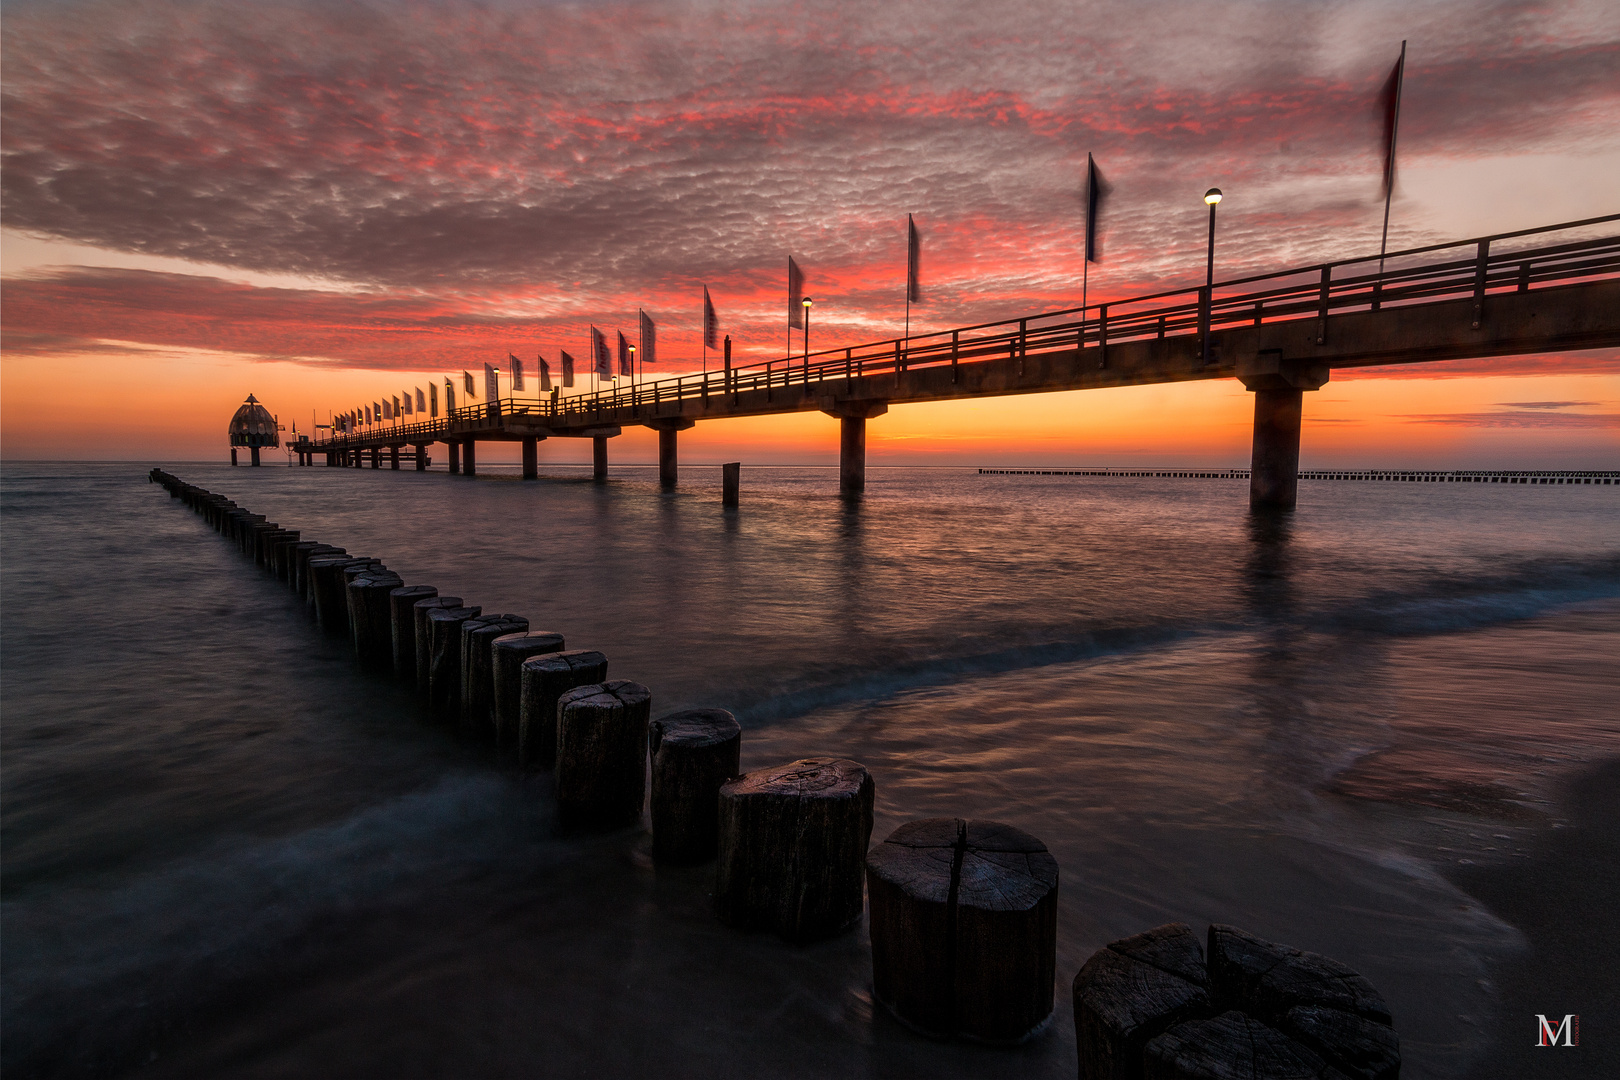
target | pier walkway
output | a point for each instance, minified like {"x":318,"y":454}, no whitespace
{"x":1281,"y":334}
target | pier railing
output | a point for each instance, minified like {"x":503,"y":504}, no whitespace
{"x":1463,"y":269}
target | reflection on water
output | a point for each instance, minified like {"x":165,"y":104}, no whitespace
{"x":213,"y":824}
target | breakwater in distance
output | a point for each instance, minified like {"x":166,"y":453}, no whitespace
{"x":964,"y":913}
{"x":232,"y":850}
{"x":1402,"y":476}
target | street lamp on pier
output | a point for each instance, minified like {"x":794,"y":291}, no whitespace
{"x":1212,"y":197}
{"x":807,"y":302}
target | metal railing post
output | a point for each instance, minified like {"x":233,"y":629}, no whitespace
{"x":1479,"y":281}
{"x":1322,"y":306}
{"x":1102,"y":336}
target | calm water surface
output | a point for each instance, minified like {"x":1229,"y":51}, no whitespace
{"x":227,"y":852}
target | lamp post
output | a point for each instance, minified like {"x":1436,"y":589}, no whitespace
{"x":1212,"y":197}
{"x":632,"y":373}
{"x":807,"y":302}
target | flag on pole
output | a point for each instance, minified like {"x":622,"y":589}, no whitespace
{"x":517,"y":373}
{"x":545,"y":374}
{"x":649,"y":339}
{"x":1389,"y":104}
{"x":433,"y":399}
{"x":449,"y":398}
{"x":387,"y":411}
{"x":421,"y":402}
{"x":624,"y":355}
{"x":795,"y":294}
{"x":492,"y":382}
{"x":408,"y":409}
{"x":368,"y":414}
{"x":568,"y":370}
{"x":913,"y":262}
{"x":1097,"y":191}
{"x":711,"y":322}
{"x":467,"y":383}
{"x":601,"y":358}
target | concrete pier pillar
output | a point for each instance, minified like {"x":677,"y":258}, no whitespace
{"x":233,"y":456}
{"x":393,"y":457}
{"x":667,"y":429}
{"x":531,"y":458}
{"x":1274,"y":468}
{"x":852,"y":455}
{"x":455,"y":458}
{"x":1278,"y":385}
{"x":852,"y":417}
{"x":730,"y":483}
{"x":599,"y":459}
{"x":254,"y":451}
{"x":666,"y":460}
{"x":469,"y":464}
{"x":421,"y":457}
{"x":376,"y":457}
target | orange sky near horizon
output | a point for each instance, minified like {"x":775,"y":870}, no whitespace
{"x":117,"y":410}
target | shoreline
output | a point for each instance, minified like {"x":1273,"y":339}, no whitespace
{"x":1563,"y":900}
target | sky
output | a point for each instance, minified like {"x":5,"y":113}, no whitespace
{"x":323,"y":203}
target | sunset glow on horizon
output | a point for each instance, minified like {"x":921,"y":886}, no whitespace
{"x":324,"y":205}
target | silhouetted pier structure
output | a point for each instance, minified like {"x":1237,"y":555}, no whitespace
{"x":1281,"y":334}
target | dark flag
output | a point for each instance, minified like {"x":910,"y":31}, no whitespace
{"x":545,"y":374}
{"x":795,"y":294}
{"x":517,"y":373}
{"x":433,"y":399}
{"x":601,"y":358}
{"x":711,"y":322}
{"x":568,"y":370}
{"x":421,"y":402}
{"x":649,"y":340}
{"x":624,"y":355}
{"x":407,"y":403}
{"x":1097,"y":191}
{"x":492,"y":382}
{"x":913,"y":262}
{"x":467,"y":383}
{"x":368,"y":413}
{"x":1389,"y":104}
{"x":449,"y":398}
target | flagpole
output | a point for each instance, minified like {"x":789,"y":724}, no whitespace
{"x":909,"y":271}
{"x":1389,"y":177}
{"x":1085,"y":246}
{"x":1085,"y":286}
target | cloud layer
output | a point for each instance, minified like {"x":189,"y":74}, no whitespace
{"x":480,"y":168}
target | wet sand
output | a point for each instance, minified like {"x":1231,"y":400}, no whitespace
{"x":1564,"y":899}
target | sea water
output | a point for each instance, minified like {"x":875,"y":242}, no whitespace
{"x":228,"y":852}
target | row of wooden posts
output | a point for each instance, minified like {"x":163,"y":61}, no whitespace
{"x":963,"y":913}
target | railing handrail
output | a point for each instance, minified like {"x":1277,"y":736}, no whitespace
{"x":1301,"y":299}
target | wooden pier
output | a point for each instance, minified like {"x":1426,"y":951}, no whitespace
{"x":1280,"y":334}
